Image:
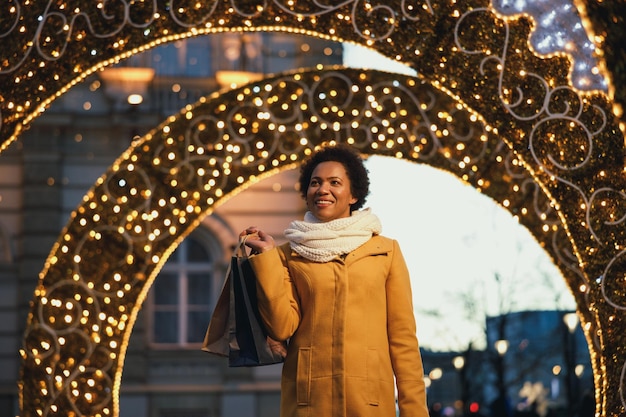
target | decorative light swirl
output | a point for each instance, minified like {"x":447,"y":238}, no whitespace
{"x":176,"y":14}
{"x":600,"y":212}
{"x":57,"y":28}
{"x":63,"y":316}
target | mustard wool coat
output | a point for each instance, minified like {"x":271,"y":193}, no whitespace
{"x":351,"y":328}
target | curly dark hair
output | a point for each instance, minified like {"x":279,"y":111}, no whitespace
{"x":355,"y":168}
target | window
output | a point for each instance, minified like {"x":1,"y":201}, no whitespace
{"x":182,"y":296}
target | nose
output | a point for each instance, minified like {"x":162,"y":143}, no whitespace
{"x":323,"y":188}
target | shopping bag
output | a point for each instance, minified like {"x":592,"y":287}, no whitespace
{"x":235,"y":329}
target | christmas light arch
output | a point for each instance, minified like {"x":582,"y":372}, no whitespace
{"x":485,"y":107}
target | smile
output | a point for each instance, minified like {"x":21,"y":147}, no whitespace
{"x":323,"y":202}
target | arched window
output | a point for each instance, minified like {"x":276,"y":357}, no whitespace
{"x":184,"y":292}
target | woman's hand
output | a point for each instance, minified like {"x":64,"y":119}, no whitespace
{"x":277,"y":347}
{"x":258,"y":240}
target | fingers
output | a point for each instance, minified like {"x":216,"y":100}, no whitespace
{"x":277,"y":347}
{"x":257,"y":240}
{"x":252,"y":230}
{"x":266,"y":237}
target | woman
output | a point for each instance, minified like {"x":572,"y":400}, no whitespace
{"x":341,"y":294}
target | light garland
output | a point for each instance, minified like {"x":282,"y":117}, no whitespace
{"x":509,"y":122}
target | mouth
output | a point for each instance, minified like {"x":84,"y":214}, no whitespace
{"x":323,"y":203}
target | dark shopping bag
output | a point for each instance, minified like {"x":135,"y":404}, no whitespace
{"x":235,"y":329}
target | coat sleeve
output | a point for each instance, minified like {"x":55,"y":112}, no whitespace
{"x":403,"y":345}
{"x":276,"y":294}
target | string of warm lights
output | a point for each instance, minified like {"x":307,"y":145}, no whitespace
{"x":501,"y":117}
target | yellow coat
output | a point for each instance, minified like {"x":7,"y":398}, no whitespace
{"x":351,"y":328}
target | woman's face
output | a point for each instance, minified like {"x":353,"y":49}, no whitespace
{"x":329,"y":196}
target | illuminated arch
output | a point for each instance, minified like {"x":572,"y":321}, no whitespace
{"x":517,"y":131}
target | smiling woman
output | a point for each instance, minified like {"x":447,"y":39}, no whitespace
{"x":437,"y":219}
{"x":339,"y":292}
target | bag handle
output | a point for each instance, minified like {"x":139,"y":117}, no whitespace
{"x":240,"y":250}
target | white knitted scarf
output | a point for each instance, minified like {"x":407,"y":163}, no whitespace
{"x":320,"y":241}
